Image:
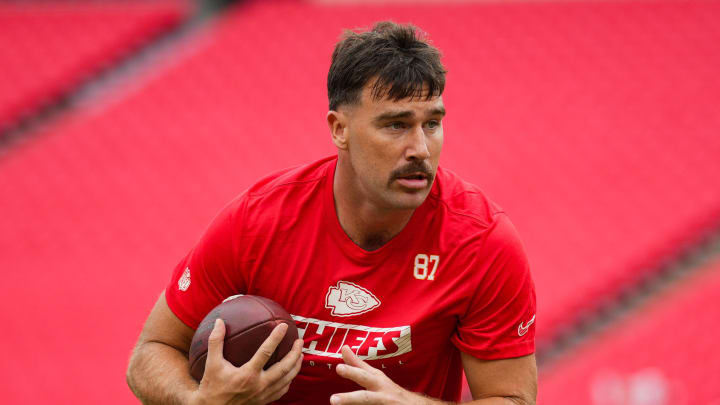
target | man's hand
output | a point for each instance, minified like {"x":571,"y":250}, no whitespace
{"x":224,"y":383}
{"x":379,"y":388}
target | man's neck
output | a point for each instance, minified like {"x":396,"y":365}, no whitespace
{"x":366,"y":224}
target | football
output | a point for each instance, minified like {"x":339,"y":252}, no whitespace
{"x":249,"y":319}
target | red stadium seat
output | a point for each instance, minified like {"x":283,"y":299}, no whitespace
{"x":49,"y":48}
{"x":663,"y":353}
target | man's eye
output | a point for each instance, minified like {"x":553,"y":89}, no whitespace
{"x":396,"y":125}
{"x":433,"y":124}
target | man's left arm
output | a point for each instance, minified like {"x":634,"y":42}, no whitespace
{"x":492,"y":382}
{"x":505,"y":381}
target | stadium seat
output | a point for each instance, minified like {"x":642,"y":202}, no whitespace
{"x":662,"y":353}
{"x":49,"y":48}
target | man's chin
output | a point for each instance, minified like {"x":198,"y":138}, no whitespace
{"x":409,"y":200}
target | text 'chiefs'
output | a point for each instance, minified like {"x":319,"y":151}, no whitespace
{"x":323,"y":338}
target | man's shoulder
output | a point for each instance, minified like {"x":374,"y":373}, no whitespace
{"x":464,"y":200}
{"x":303,"y":176}
{"x":466,"y":211}
{"x":277,"y":189}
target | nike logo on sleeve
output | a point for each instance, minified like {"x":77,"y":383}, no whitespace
{"x":523,"y":329}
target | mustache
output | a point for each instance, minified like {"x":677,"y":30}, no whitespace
{"x":411,"y":168}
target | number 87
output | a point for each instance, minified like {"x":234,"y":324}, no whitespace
{"x":422,"y":262}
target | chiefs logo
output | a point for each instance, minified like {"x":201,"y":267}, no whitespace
{"x":348,"y":299}
{"x":325,"y":339}
{"x":184,"y":281}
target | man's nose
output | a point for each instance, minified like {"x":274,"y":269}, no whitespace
{"x":417,"y":148}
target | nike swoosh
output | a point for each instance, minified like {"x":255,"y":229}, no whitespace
{"x":524,"y":329}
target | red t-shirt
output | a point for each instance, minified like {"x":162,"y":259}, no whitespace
{"x":455,"y":278}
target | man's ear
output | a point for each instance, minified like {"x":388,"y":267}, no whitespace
{"x":337,"y":122}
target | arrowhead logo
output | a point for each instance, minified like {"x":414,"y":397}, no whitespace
{"x":184,"y":281}
{"x":524,"y":329}
{"x":348,"y":299}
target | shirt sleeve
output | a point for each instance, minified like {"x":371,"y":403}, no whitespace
{"x":207,"y":274}
{"x":500,"y":319}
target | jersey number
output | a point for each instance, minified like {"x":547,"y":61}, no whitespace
{"x":422,"y":262}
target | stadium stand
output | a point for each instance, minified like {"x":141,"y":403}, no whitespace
{"x":592,"y":123}
{"x":664,"y":354}
{"x":49,"y":48}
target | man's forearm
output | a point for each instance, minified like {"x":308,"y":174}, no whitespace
{"x":500,"y":401}
{"x":483,"y":401}
{"x":158,"y":375}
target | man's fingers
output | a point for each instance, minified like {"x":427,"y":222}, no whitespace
{"x":275,"y":395}
{"x":215,"y":342}
{"x":286,"y":379}
{"x":363,"y":377}
{"x":286,"y":364}
{"x":263,"y":354}
{"x":356,"y":398}
{"x":350,"y":358}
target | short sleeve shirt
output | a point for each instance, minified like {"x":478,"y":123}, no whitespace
{"x":456,"y":278}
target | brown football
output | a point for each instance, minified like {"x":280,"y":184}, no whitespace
{"x":249,"y":319}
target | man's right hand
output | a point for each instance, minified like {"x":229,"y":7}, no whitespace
{"x":224,"y":383}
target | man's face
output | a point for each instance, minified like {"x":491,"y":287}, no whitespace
{"x":394,"y":148}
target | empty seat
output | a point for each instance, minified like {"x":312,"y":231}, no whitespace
{"x":662,"y":353}
{"x":49,"y":48}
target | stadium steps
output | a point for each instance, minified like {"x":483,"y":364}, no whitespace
{"x":51,"y":51}
{"x":663,"y":351}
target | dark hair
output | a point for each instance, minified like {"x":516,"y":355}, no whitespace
{"x":402,"y":61}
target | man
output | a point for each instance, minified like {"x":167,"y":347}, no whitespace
{"x":398,"y":274}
